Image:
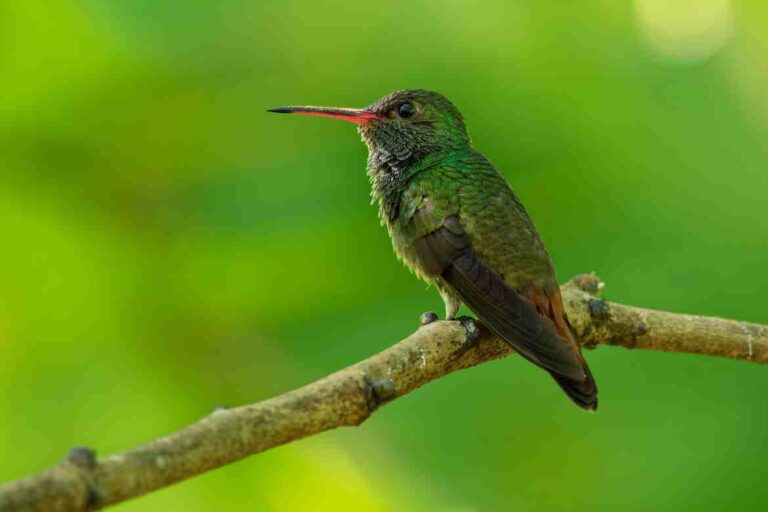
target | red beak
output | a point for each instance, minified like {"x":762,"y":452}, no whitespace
{"x":355,"y":115}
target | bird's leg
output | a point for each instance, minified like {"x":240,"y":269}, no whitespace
{"x":450,"y":298}
{"x":452,"y":305}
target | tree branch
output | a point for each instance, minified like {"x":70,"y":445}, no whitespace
{"x":350,"y":396}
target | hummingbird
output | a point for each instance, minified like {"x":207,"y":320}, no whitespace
{"x":455,"y":222}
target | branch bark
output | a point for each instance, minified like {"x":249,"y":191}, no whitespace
{"x":82,"y":482}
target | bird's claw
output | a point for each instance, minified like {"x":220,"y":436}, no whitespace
{"x":427,"y":318}
{"x":471,"y":330}
{"x":471,"y":335}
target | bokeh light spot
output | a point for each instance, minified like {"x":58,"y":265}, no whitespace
{"x":685,"y":30}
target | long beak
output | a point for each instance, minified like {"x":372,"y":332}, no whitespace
{"x":355,"y":115}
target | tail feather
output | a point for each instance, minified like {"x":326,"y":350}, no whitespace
{"x":582,"y":392}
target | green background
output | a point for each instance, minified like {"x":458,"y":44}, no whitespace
{"x":167,"y":246}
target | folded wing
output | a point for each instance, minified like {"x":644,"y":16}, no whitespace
{"x":447,"y":253}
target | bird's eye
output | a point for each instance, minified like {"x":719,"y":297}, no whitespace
{"x":406,"y":110}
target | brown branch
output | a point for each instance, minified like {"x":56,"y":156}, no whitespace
{"x":348,"y":397}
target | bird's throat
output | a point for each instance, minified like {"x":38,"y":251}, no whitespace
{"x":390,"y":173}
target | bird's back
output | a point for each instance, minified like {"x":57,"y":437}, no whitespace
{"x":498,"y":225}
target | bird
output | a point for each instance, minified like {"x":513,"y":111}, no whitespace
{"x":456,"y":222}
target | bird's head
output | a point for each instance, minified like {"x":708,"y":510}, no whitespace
{"x":411,"y":121}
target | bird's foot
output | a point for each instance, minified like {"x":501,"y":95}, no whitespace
{"x":471,"y":330}
{"x":427,"y":318}
{"x":471,"y":335}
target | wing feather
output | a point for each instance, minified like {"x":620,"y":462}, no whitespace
{"x":447,"y":253}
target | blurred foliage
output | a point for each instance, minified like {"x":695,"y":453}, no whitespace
{"x":169,"y":247}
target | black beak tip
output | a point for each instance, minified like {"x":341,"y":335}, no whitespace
{"x":280,"y":110}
